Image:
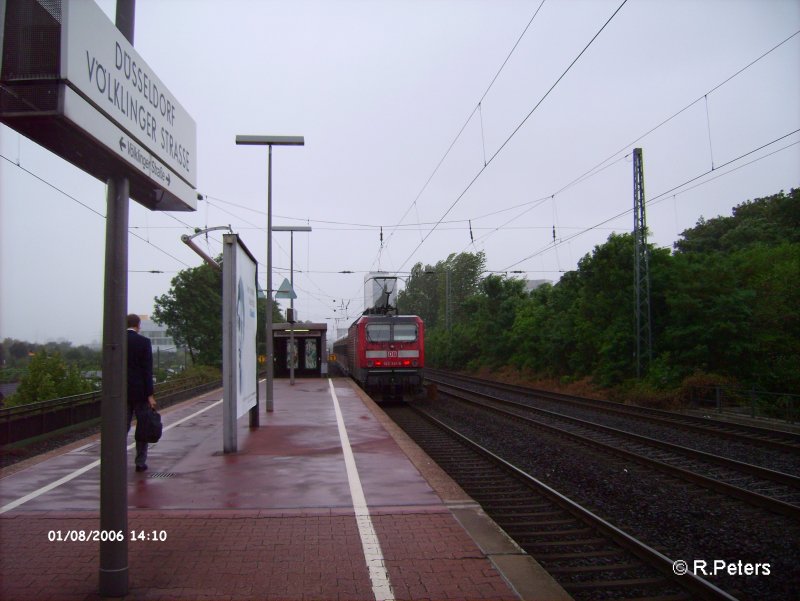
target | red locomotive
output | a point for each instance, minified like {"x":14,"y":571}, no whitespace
{"x":384,"y":354}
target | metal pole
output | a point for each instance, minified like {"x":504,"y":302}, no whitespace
{"x":270,"y":141}
{"x":270,"y":350}
{"x":291,"y":305}
{"x":113,"y":437}
{"x":113,"y":576}
{"x":641,"y":269}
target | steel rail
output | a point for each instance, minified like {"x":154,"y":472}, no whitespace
{"x":696,"y":586}
{"x":753,"y":498}
{"x":755,"y":470}
{"x":785,"y":441}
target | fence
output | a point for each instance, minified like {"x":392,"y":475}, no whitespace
{"x":45,"y":417}
{"x":746,"y":402}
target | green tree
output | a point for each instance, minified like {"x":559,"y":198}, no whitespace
{"x":18,"y":350}
{"x":261,"y":333}
{"x":192,"y":312}
{"x":733,"y":295}
{"x":440,"y":295}
{"x":710,"y":315}
{"x":49,"y":377}
{"x":440,"y":291}
{"x":725,"y":302}
{"x":772,"y":274}
{"x":771,"y":220}
{"x":421,"y":295}
{"x":463,"y":271}
{"x":488,"y":316}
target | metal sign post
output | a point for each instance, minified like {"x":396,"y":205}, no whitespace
{"x":113,"y":577}
{"x":71,"y":81}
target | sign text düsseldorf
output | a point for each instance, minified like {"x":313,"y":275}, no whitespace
{"x":102,"y":66}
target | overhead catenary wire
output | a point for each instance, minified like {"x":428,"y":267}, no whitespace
{"x":508,"y":227}
{"x":469,"y":118}
{"x":517,"y":129}
{"x":85,"y":206}
{"x":632,"y":143}
{"x":710,"y":144}
{"x":604,"y":164}
{"x":599,"y":167}
{"x":672,"y":191}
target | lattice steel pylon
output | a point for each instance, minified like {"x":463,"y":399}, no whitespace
{"x":641,"y":267}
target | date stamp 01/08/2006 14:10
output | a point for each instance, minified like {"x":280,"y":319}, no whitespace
{"x":81,"y":536}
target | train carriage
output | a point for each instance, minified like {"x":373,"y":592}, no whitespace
{"x":384,"y":353}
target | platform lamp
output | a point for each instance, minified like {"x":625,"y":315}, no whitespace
{"x":270,"y":141}
{"x":292,"y":229}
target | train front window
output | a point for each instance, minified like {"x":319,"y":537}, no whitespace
{"x":405,"y":332}
{"x":378,"y":332}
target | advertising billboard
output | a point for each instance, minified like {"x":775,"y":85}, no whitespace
{"x":239,"y":323}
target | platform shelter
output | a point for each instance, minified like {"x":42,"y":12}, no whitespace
{"x":311,"y":358}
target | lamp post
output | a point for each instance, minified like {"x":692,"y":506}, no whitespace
{"x":270,"y":141}
{"x":291,"y":229}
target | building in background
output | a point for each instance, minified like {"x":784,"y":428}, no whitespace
{"x":157,"y":334}
{"x":531,"y":285}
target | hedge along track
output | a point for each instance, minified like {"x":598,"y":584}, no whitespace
{"x":763,"y":488}
{"x":588,"y":556}
{"x":775,"y":439}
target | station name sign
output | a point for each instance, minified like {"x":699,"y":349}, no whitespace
{"x":102,"y":66}
{"x":91,"y":88}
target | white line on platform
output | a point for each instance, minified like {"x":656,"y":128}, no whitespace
{"x":378,"y":573}
{"x":82,"y":470}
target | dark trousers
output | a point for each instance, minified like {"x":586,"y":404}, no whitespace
{"x":141,"y":447}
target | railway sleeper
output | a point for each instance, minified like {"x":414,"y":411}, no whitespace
{"x":504,"y":485}
{"x":614,"y":584}
{"x":606,"y":567}
{"x":543,"y":534}
{"x":547,"y":507}
{"x":493,"y":504}
{"x":512,"y":523}
{"x":535,"y":543}
{"x":594,"y":554}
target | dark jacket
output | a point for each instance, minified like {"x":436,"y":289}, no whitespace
{"x":140,"y":368}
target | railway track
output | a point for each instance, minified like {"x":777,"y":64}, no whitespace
{"x":761,"y":487}
{"x":682,"y":501}
{"x":763,"y":437}
{"x":588,"y":556}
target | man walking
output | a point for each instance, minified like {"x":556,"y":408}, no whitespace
{"x":140,"y":382}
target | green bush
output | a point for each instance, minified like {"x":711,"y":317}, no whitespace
{"x":48,"y":377}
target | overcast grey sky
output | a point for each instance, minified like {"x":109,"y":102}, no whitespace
{"x":380,"y":90}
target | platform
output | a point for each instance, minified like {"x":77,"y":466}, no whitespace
{"x":326,"y":500}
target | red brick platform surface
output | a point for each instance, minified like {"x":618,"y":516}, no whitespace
{"x":245,"y":555}
{"x":275,"y":521}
